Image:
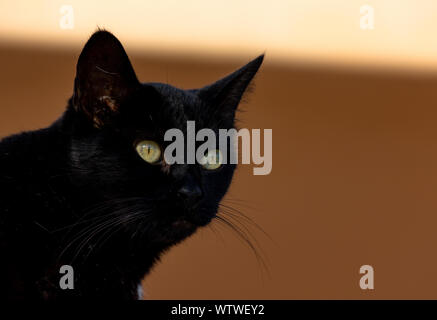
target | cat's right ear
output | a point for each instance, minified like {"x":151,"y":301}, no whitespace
{"x":104,"y":78}
{"x":223,"y":96}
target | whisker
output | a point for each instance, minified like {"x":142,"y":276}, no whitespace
{"x":248,"y":219}
{"x":111,"y":231}
{"x":248,"y":232}
{"x":216,"y":232}
{"x":84,"y":233}
{"x":240,"y":202}
{"x":100,"y":222}
{"x":243,"y":236}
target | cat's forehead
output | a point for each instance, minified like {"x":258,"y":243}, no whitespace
{"x":177,"y":106}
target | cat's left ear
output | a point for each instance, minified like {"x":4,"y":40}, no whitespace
{"x":224,"y":95}
{"x":104,"y":78}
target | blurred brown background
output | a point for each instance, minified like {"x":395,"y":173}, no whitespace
{"x":353,"y":181}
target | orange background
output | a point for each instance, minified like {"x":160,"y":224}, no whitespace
{"x":353,"y":181}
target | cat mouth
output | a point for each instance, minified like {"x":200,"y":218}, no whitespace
{"x":183,"y":223}
{"x":189,"y":219}
{"x":192,"y":221}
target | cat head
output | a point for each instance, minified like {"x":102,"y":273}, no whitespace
{"x":118,"y":141}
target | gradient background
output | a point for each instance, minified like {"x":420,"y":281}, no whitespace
{"x":353,"y":115}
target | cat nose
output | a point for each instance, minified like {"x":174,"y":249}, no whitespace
{"x":190,"y":193}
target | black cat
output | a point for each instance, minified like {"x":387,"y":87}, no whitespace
{"x":93,"y":191}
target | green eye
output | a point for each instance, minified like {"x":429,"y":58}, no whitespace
{"x":212,"y":160}
{"x":149,"y":151}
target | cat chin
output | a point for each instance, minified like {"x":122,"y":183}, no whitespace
{"x":176,"y":234}
{"x":182,"y":228}
{"x":184,"y":224}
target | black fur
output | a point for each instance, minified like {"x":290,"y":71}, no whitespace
{"x":77,"y":193}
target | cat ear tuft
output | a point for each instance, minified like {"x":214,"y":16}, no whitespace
{"x":104,"y":78}
{"x":225,"y":95}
